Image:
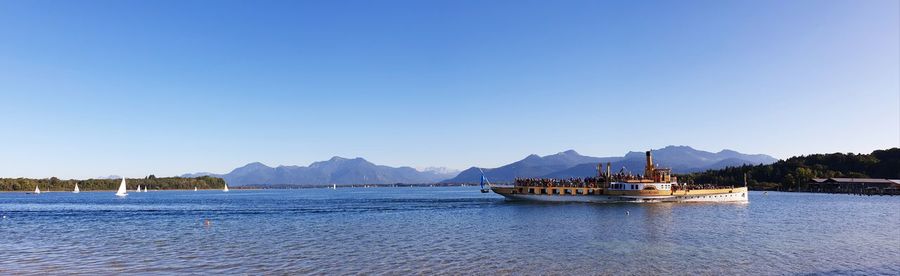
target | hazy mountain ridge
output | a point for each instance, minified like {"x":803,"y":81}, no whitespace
{"x":337,"y":170}
{"x":682,"y":159}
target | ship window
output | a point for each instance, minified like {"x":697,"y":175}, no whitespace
{"x":543,"y":191}
{"x":578,"y":191}
{"x":530,"y":190}
{"x":555,"y":191}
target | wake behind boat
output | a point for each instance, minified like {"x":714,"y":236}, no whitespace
{"x":656,"y":185}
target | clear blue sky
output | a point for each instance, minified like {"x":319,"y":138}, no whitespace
{"x":94,"y":88}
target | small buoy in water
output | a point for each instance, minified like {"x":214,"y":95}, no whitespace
{"x":206,"y":222}
{"x":627,"y":213}
{"x":4,"y":217}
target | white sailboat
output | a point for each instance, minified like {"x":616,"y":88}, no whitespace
{"x":334,"y":186}
{"x":195,"y":189}
{"x":76,"y":189}
{"x":122,"y":191}
{"x":145,"y":189}
{"x":36,"y":189}
{"x":226,"y":188}
{"x":138,"y":189}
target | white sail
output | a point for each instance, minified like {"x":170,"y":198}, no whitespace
{"x":195,"y":189}
{"x":145,"y":189}
{"x":76,"y":189}
{"x":226,"y":188}
{"x":36,"y":190}
{"x":138,"y":189}
{"x":122,"y":191}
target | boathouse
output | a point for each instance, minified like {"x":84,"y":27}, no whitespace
{"x":855,"y":185}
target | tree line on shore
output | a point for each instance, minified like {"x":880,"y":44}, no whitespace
{"x":151,"y":182}
{"x":797,"y":172}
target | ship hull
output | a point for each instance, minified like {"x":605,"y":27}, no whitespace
{"x":737,"y":195}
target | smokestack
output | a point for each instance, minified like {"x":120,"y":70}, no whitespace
{"x":608,"y":175}
{"x":649,"y":162}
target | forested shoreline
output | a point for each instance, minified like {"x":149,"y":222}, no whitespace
{"x":151,"y":182}
{"x":797,"y":172}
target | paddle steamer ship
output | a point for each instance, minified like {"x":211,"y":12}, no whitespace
{"x":655,"y":185}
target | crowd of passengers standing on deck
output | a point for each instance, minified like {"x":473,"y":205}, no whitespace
{"x":587,"y":182}
{"x":597,"y":182}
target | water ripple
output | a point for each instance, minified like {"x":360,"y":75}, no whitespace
{"x":391,"y":231}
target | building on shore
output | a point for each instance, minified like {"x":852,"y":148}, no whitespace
{"x":873,"y":186}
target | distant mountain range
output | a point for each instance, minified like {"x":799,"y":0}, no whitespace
{"x":336,"y":170}
{"x":681,"y":159}
{"x":341,"y":171}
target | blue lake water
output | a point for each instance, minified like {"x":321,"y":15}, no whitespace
{"x":447,"y":230}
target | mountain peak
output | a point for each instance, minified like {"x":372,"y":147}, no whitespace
{"x":337,"y":158}
{"x":568,"y":152}
{"x":673,"y":147}
{"x":255,"y":165}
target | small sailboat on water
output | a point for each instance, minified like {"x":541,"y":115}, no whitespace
{"x":484,"y":179}
{"x":36,"y":189}
{"x":334,"y":186}
{"x":145,"y":189}
{"x":76,"y":189}
{"x":195,"y":189}
{"x":226,"y":188}
{"x":122,"y":190}
{"x":138,"y":189}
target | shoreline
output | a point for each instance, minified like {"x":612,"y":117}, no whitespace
{"x":129,"y":191}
